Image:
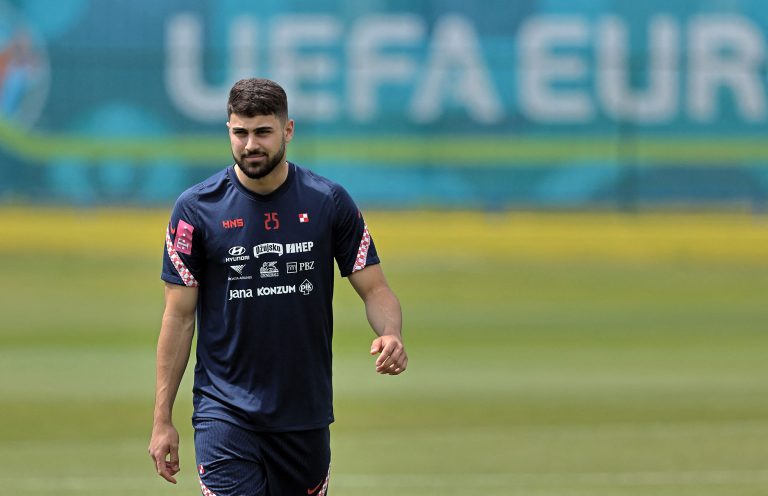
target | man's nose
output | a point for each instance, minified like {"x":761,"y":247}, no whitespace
{"x":252,"y":145}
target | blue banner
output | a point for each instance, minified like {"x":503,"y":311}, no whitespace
{"x":430,"y":103}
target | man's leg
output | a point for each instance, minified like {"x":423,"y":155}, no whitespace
{"x":297,"y":462}
{"x":228,"y":460}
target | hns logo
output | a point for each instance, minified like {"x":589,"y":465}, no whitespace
{"x":231,"y":224}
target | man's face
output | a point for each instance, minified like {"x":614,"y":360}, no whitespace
{"x":258,"y":143}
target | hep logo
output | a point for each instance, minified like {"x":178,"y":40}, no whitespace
{"x":230,"y":224}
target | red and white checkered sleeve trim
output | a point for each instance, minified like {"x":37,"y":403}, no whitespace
{"x":184,"y":273}
{"x":362,"y":252}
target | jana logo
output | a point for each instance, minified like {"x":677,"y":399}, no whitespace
{"x":24,"y":69}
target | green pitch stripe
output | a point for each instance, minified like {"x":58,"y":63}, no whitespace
{"x":501,"y":150}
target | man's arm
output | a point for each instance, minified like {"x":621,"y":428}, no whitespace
{"x":173,"y":347}
{"x":385,"y":316}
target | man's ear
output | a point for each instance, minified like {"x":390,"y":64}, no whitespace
{"x":289,"y":126}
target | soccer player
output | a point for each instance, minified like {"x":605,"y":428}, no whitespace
{"x":249,"y":254}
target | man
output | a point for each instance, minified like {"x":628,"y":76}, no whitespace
{"x":250,"y":253}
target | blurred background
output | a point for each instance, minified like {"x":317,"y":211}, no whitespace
{"x":569,"y":198}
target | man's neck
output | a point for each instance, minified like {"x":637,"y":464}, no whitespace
{"x":266,"y":184}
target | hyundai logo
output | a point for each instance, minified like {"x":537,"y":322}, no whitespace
{"x":236,"y":251}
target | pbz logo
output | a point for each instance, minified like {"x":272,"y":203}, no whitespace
{"x":306,"y":287}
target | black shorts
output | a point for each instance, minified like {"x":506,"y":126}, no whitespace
{"x":232,"y":461}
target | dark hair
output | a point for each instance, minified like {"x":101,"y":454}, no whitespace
{"x":257,"y":96}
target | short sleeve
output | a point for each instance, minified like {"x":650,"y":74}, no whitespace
{"x":184,"y":252}
{"x":353,"y":245}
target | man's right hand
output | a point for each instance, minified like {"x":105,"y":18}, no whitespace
{"x":164,"y":450}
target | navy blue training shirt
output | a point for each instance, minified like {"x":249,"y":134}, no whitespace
{"x":264,"y":266}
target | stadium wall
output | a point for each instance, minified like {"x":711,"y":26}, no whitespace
{"x":441,"y":103}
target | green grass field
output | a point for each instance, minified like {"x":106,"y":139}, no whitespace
{"x":555,"y":355}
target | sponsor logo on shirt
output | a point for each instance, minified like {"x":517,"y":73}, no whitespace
{"x":238,"y":269}
{"x":237,"y":254}
{"x":269,"y":269}
{"x":294,"y":267}
{"x":279,"y":249}
{"x":236,"y":251}
{"x":275,"y":290}
{"x":236,"y":294}
{"x":183,"y":243}
{"x":306,"y":287}
{"x":304,"y":247}
{"x":233,"y":223}
{"x":267,"y":248}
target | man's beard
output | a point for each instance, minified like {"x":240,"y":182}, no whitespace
{"x":257,"y":171}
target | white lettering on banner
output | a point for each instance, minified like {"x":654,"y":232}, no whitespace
{"x":296,"y":69}
{"x":540,"y":68}
{"x":452,"y":71}
{"x":570,"y":68}
{"x":184,"y":80}
{"x":370,"y":68}
{"x":726,"y":52}
{"x":659,"y":102}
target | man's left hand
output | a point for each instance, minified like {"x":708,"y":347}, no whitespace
{"x":392,"y":357}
